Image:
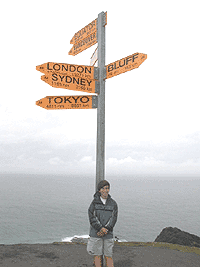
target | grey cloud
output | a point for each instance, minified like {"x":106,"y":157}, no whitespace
{"x":46,"y":156}
{"x":179,"y":151}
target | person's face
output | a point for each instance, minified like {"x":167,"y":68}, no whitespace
{"x":104,"y":191}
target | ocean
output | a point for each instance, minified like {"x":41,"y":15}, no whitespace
{"x":54,"y":208}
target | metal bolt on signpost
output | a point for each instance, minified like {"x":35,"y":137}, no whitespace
{"x":88,"y":79}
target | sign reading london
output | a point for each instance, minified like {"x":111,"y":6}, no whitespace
{"x":68,"y":102}
{"x":125,"y":64}
{"x":87,"y":72}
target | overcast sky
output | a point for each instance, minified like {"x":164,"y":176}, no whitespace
{"x":152,"y":112}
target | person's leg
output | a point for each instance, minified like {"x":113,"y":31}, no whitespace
{"x":97,"y":261}
{"x":108,"y":251}
{"x":94,"y":247}
{"x":109,"y":261}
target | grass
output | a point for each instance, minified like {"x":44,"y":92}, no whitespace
{"x":159,"y":245}
{"x":147,"y":244}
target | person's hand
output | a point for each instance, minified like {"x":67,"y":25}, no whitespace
{"x":102,"y":232}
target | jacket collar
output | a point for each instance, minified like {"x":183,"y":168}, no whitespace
{"x":97,"y":197}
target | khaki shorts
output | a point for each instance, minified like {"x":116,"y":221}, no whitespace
{"x":99,"y":246}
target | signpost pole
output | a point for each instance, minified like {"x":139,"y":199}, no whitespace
{"x":100,"y":151}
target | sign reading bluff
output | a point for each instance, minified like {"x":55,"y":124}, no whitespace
{"x":68,"y":102}
{"x":125,"y":64}
{"x":64,"y":81}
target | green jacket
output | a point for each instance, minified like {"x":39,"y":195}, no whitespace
{"x":101,"y":215}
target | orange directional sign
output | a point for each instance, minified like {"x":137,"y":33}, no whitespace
{"x":125,"y":64}
{"x":68,"y":102}
{"x":86,"y":37}
{"x":87,"y":72}
{"x":65,"y":81}
{"x":86,"y":31}
{"x":84,"y":44}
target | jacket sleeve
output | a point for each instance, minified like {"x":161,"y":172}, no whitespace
{"x":93,"y":219}
{"x":112,"y":221}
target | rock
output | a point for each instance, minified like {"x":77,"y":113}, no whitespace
{"x":179,"y":237}
{"x":116,"y":238}
{"x":85,"y":240}
{"x":79,"y":240}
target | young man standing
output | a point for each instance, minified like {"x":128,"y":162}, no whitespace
{"x":102,"y":213}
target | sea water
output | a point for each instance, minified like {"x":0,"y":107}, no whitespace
{"x":54,"y":208}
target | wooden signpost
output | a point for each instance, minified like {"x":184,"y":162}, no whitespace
{"x":87,"y":79}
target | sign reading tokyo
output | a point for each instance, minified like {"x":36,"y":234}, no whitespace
{"x":68,"y":102}
{"x":88,"y":72}
{"x":72,"y":83}
{"x":125,"y":64}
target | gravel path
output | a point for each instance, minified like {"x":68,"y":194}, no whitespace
{"x":75,"y":255}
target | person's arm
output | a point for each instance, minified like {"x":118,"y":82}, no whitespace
{"x":93,"y":219}
{"x":111,"y":223}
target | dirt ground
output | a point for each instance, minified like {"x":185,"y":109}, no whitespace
{"x":75,"y":255}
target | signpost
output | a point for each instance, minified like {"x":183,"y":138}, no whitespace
{"x":87,"y":79}
{"x":100,"y":153}
{"x":68,"y":102}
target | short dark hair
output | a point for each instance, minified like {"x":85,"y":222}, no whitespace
{"x":102,"y":183}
